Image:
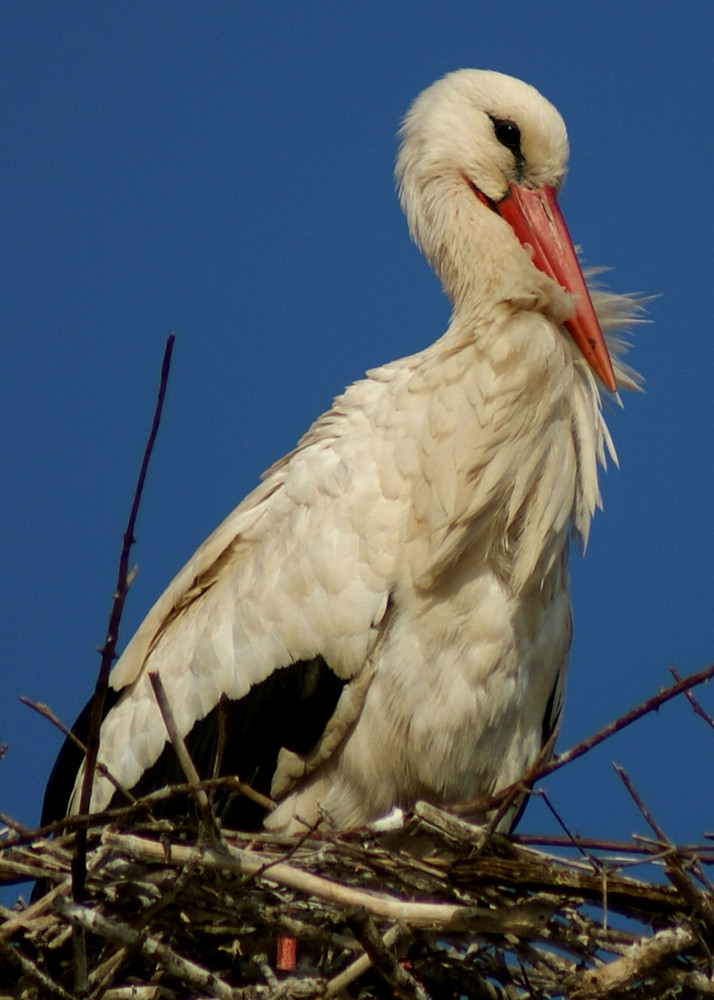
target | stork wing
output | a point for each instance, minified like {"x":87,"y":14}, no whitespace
{"x":261,"y":630}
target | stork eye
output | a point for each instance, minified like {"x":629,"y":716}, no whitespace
{"x":508,"y":134}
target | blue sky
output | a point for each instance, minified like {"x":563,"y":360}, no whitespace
{"x":224,"y":171}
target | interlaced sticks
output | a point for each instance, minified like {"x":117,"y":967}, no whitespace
{"x":163,"y":908}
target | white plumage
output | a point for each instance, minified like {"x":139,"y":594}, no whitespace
{"x":415,"y":542}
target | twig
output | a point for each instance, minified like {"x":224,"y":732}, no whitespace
{"x":108,"y":650}
{"x":360,"y":965}
{"x":541,"y":769}
{"x":384,"y":961}
{"x":142,"y":805}
{"x":108,"y":655}
{"x":261,"y":960}
{"x":698,"y":984}
{"x":615,"y":846}
{"x":642,"y":959}
{"x":46,"y":712}
{"x":184,"y":759}
{"x":698,"y":710}
{"x":135,"y":993}
{"x":104,"y":975}
{"x":574,"y":840}
{"x":651,"y":822}
{"x":17,"y":828}
{"x":651,"y":705}
{"x":679,"y":878}
{"x":287,"y":854}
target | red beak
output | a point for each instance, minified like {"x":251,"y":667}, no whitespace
{"x":536,"y":219}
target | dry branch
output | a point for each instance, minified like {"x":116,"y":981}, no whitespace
{"x":108,"y":650}
{"x":543,"y":767}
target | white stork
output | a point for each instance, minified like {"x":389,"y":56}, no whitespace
{"x":386,"y":617}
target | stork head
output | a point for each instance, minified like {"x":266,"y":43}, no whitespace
{"x":481,"y":160}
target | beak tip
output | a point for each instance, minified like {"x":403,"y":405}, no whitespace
{"x":608,"y":379}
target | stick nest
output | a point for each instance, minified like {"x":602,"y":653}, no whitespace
{"x":435,"y":909}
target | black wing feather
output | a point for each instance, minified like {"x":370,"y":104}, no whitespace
{"x":290,"y":708}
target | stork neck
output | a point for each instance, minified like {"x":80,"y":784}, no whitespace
{"x":479,"y":260}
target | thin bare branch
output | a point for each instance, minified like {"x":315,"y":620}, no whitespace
{"x":385,"y":961}
{"x":108,"y":650}
{"x":650,"y":705}
{"x":360,"y":965}
{"x":46,"y":712}
{"x":182,"y":754}
{"x":540,"y":769}
{"x":698,"y":710}
{"x":108,"y":655}
{"x":679,"y":878}
{"x":573,"y":838}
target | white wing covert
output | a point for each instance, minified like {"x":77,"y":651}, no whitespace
{"x":286,"y":578}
